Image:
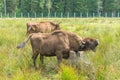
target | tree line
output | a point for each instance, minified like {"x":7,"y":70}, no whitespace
{"x":64,"y":6}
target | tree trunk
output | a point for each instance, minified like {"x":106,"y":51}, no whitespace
{"x":5,"y":7}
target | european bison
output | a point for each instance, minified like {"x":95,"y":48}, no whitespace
{"x":47,"y":45}
{"x":43,"y":27}
{"x":52,"y":44}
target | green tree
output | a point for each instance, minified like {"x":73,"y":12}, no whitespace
{"x":49,"y":5}
{"x":92,"y":5}
{"x":99,"y":6}
{"x":1,"y":5}
{"x":34,"y":6}
{"x":42,"y":4}
{"x":11,"y":6}
{"x":116,"y":5}
{"x":58,"y":5}
{"x":25,"y":6}
{"x":108,"y":5}
{"x":83,"y":7}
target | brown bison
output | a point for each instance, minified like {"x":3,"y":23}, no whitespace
{"x":43,"y":27}
{"x":52,"y":44}
{"x":47,"y":45}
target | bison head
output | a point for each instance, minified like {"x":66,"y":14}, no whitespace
{"x":31,"y":29}
{"x":90,"y":44}
{"x":56,"y":25}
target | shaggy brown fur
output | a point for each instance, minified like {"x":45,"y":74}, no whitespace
{"x":43,"y":27}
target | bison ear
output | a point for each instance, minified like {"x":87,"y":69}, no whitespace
{"x":97,"y":41}
{"x":33,"y":27}
{"x":29,"y":28}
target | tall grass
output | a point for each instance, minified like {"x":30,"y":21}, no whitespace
{"x":68,"y":73}
{"x":17,"y":64}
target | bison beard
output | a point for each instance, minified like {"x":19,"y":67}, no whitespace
{"x":90,"y":44}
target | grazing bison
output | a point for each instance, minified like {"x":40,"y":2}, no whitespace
{"x":47,"y":45}
{"x":43,"y":27}
{"x":52,"y":44}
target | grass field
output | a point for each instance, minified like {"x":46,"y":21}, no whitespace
{"x":17,"y":64}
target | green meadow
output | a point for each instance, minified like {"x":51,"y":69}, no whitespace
{"x":16,"y":64}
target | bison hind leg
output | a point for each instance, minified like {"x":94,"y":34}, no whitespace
{"x":34,"y":60}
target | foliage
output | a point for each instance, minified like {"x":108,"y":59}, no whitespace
{"x":68,"y":73}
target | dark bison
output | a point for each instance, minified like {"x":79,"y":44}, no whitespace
{"x":47,"y":45}
{"x":43,"y":27}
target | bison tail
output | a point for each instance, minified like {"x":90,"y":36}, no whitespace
{"x":24,"y":43}
{"x":21,"y":45}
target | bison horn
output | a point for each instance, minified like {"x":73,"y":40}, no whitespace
{"x":97,"y":41}
{"x":83,"y":42}
{"x":29,"y":28}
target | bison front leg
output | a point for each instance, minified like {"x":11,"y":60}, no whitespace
{"x":59,"y":56}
